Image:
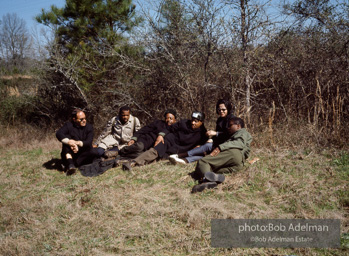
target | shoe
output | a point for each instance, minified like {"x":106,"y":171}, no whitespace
{"x":196,"y":176}
{"x":175,"y":160}
{"x":211,"y":176}
{"x":71,"y":170}
{"x":111,"y":154}
{"x":201,"y":187}
{"x":121,"y":161}
{"x":128,"y":165}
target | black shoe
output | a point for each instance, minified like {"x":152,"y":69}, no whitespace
{"x":201,"y":187}
{"x":71,"y":170}
{"x":195,"y":175}
{"x":128,"y":165}
{"x":211,"y":176}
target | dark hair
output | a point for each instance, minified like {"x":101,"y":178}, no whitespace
{"x":237,"y":120}
{"x":124,"y":108}
{"x":226,"y":103}
{"x":75,"y":111}
{"x":170,"y":111}
{"x":198,"y":115}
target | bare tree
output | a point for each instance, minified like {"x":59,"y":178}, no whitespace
{"x":14,"y":39}
{"x":183,"y":45}
{"x":248,"y":21}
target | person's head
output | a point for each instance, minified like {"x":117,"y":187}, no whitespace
{"x":124,"y":114}
{"x":235,"y":124}
{"x":170,"y":116}
{"x":79,"y":117}
{"x":197,"y":119}
{"x":223,"y":107}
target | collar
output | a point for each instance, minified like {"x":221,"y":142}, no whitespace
{"x":119,"y":121}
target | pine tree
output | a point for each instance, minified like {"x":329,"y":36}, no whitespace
{"x":83,"y":22}
{"x":89,"y":34}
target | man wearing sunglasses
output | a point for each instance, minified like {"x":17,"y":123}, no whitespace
{"x":76,"y":137}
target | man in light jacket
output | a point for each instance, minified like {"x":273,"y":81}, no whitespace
{"x":117,"y":133}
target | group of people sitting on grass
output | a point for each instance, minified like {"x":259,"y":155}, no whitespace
{"x":219,"y":151}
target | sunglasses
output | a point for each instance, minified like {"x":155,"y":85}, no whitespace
{"x":221,"y":109}
{"x":81,"y":119}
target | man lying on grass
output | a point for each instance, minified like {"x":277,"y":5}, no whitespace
{"x":145,"y":138}
{"x":177,"y":138}
{"x":227,"y":157}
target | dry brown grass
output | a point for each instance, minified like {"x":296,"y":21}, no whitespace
{"x":17,"y":76}
{"x":150,"y":210}
{"x":26,"y":137}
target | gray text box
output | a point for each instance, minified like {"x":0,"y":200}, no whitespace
{"x":284,"y":233}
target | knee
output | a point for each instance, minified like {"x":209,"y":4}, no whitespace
{"x":208,"y":146}
{"x":98,"y":151}
{"x":66,"y":150}
{"x":201,"y":165}
{"x":140,"y":146}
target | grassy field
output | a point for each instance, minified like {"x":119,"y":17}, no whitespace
{"x":150,"y":211}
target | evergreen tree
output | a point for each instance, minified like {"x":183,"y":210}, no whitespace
{"x":83,"y":22}
{"x":89,"y":37}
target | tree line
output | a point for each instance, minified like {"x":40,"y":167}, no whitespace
{"x":277,"y":64}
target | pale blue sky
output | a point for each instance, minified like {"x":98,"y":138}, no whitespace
{"x":27,"y":9}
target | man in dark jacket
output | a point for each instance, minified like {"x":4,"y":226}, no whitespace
{"x":177,"y":138}
{"x":76,"y":137}
{"x":145,"y":138}
{"x":223,"y":109}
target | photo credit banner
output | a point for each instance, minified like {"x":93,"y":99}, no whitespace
{"x":275,"y":233}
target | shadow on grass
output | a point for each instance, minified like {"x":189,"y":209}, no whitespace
{"x":54,"y":164}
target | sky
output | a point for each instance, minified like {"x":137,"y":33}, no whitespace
{"x":28,"y":9}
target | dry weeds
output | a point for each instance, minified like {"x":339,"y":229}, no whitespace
{"x":17,"y":76}
{"x":150,"y":210}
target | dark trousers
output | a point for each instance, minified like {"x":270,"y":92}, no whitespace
{"x":83,"y":156}
{"x":168,"y":147}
